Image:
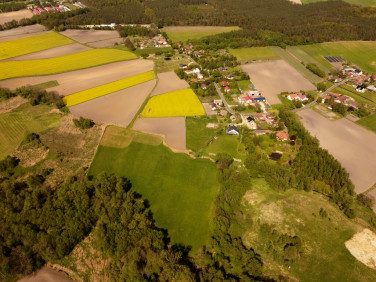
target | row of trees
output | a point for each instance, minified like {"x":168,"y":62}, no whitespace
{"x":11,"y":6}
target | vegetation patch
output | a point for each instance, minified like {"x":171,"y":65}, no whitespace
{"x":81,"y":60}
{"x":369,"y":3}
{"x":368,"y":122}
{"x":32,"y":44}
{"x":92,"y":93}
{"x":197,"y":134}
{"x":185,"y":33}
{"x":229,"y":145}
{"x":254,"y":53}
{"x":174,"y":104}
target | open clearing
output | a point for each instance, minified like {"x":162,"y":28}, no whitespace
{"x":363,"y":247}
{"x":352,"y":145}
{"x":117,"y":108}
{"x":172,"y":128}
{"x":368,"y":122}
{"x":21,"y":32}
{"x":254,"y":53}
{"x":361,"y":53}
{"x":272,"y":78}
{"x":86,"y":36}
{"x":168,"y":82}
{"x":16,"y":15}
{"x":185,"y":33}
{"x":181,"y":190}
{"x":46,"y":275}
{"x":75,"y":81}
{"x":102,"y":90}
{"x":178,"y":103}
{"x":62,"y":64}
{"x":53,"y":52}
{"x":32,"y":44}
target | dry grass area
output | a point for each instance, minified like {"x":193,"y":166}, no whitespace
{"x":272,"y":78}
{"x":106,"y":43}
{"x":53,"y":52}
{"x":173,"y":129}
{"x":168,"y":82}
{"x":21,"y":32}
{"x":363,"y":247}
{"x":30,"y":154}
{"x":75,"y":81}
{"x":47,"y":274}
{"x":17,"y":15}
{"x":352,"y":145}
{"x":117,"y":108}
{"x":11,"y":104}
{"x":86,"y":36}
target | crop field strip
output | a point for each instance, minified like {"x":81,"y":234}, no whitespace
{"x":23,"y":46}
{"x":102,"y":90}
{"x":185,"y":33}
{"x":76,"y":61}
{"x":174,"y":104}
{"x":254,"y":53}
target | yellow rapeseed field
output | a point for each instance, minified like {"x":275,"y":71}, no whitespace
{"x":18,"y":47}
{"x":174,"y":104}
{"x":81,"y":60}
{"x":92,"y":93}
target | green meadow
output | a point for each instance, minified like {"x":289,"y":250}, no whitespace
{"x":371,"y":3}
{"x":368,"y":122}
{"x":185,"y":33}
{"x":254,"y":53}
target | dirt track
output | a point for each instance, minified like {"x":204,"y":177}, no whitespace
{"x":46,"y":275}
{"x":53,"y":52}
{"x":76,"y":81}
{"x":352,"y":145}
{"x":86,"y":36}
{"x":17,"y":15}
{"x":117,"y":108}
{"x":172,"y":128}
{"x":272,"y":78}
{"x":168,"y":82}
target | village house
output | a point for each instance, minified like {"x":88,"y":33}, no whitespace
{"x":183,"y":66}
{"x":232,"y":130}
{"x":299,"y":97}
{"x":227,"y":89}
{"x":282,"y":136}
{"x":260,"y":117}
{"x":224,"y":83}
{"x":218,"y":102}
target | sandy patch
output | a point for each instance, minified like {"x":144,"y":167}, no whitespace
{"x":17,"y":15}
{"x":272,"y":78}
{"x":296,"y":1}
{"x":46,"y":275}
{"x":11,"y":104}
{"x":86,"y":36}
{"x":53,"y":52}
{"x":168,"y":82}
{"x":172,"y":128}
{"x":352,"y":145}
{"x":363,"y":247}
{"x":208,"y":109}
{"x":117,"y":108}
{"x":75,"y":81}
{"x":106,"y":43}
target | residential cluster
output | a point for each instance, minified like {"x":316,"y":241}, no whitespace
{"x":52,"y":6}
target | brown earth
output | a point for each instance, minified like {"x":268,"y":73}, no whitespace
{"x":168,"y":82}
{"x":11,"y":104}
{"x":208,"y":109}
{"x":272,"y":78}
{"x":117,"y":108}
{"x":86,"y":36}
{"x":53,"y":52}
{"x":75,"y":81}
{"x":352,"y":145}
{"x":47,"y":275}
{"x":17,"y":15}
{"x":363,"y":247}
{"x":106,"y":43}
{"x":172,"y":128}
{"x":21,"y":32}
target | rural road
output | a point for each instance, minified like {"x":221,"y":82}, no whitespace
{"x":228,"y":108}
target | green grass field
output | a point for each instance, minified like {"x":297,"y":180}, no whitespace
{"x":181,"y":190}
{"x":227,"y":144}
{"x":102,"y":90}
{"x":185,"y":33}
{"x":371,"y":3}
{"x":18,"y":47}
{"x":254,"y":53}
{"x":368,"y":122}
{"x":361,"y":53}
{"x":25,"y":119}
{"x":325,"y":257}
{"x":197,"y":134}
{"x":81,"y":60}
{"x":304,"y":57}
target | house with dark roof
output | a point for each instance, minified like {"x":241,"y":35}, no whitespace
{"x":232,"y":130}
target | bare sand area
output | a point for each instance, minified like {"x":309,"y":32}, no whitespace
{"x":86,"y":36}
{"x":117,"y":108}
{"x":172,"y":128}
{"x":296,"y":1}
{"x":46,"y":275}
{"x":272,"y":78}
{"x":53,"y":52}
{"x":75,"y":81}
{"x":17,"y":15}
{"x":168,"y":82}
{"x":21,"y":32}
{"x":106,"y":43}
{"x":352,"y":145}
{"x":363,"y":247}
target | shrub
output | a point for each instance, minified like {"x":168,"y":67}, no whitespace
{"x":316,"y":70}
{"x":83,"y":123}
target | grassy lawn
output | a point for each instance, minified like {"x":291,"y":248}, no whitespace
{"x":325,"y":257}
{"x":25,"y":119}
{"x":368,"y":122}
{"x":360,"y":53}
{"x":180,"y":190}
{"x":254,"y":53}
{"x":362,"y":98}
{"x":303,"y":56}
{"x":197,"y":133}
{"x":371,"y":3}
{"x":244,"y":85}
{"x":227,"y":144}
{"x":186,"y":33}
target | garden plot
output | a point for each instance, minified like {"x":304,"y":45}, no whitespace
{"x":168,"y":82}
{"x":86,"y":36}
{"x":75,"y":81}
{"x":272,"y":78}
{"x":17,"y":15}
{"x":353,"y":146}
{"x":117,"y":108}
{"x":173,"y":129}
